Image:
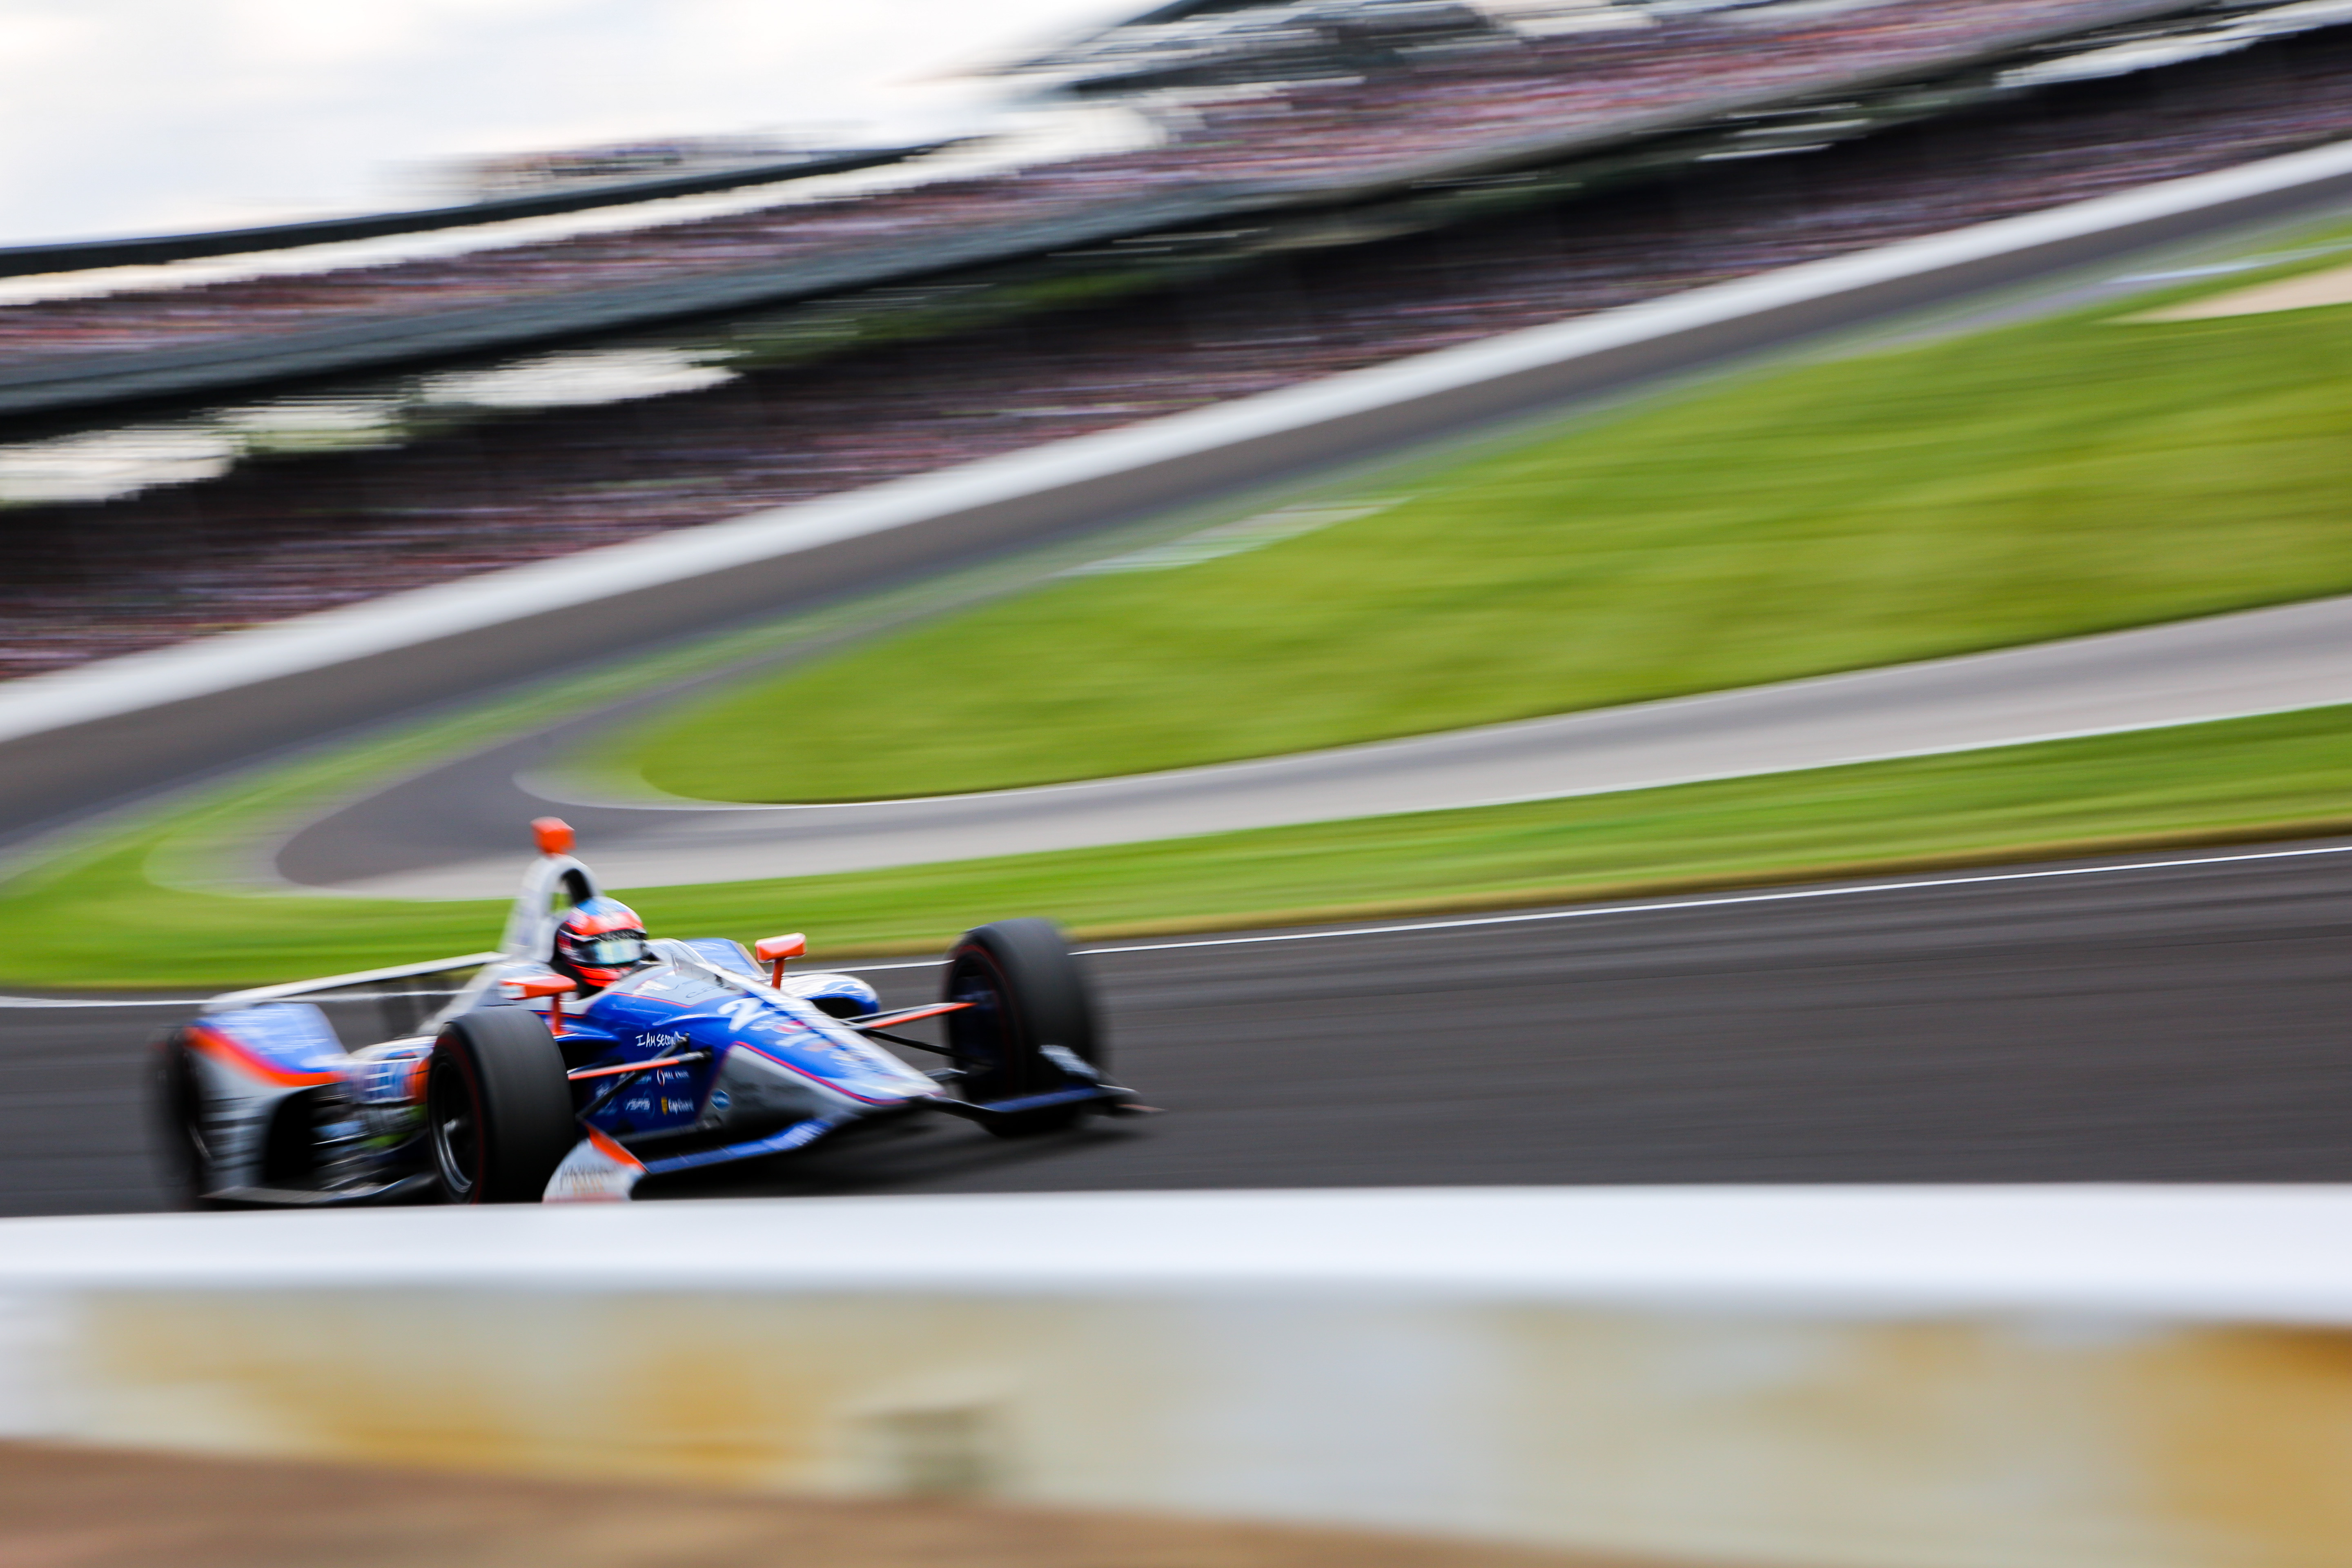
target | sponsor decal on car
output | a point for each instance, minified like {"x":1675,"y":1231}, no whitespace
{"x":596,"y":1171}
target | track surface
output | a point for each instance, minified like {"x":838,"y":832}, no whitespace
{"x":2159,"y":1022}
{"x":452,"y":833}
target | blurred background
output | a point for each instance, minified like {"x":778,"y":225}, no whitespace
{"x":147,"y":119}
{"x":1604,"y":647}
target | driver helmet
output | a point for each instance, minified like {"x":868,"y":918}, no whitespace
{"x":598,"y":942}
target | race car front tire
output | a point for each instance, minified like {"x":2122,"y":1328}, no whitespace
{"x":1029,"y":998}
{"x":497,"y":1107}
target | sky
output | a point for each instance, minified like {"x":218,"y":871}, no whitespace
{"x":146,"y":116}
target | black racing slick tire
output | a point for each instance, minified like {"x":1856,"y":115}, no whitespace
{"x":1030,"y":1002}
{"x":175,"y":1110}
{"x":497,"y":1107}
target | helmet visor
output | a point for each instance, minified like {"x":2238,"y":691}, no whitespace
{"x":617,"y":951}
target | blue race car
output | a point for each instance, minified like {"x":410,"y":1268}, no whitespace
{"x":583,"y":1056}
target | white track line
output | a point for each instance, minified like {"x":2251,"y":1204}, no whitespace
{"x":1598,"y":911}
{"x":1592,"y":912}
{"x":35,"y":1002}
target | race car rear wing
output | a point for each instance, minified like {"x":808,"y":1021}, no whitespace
{"x":380,"y":1003}
{"x":377,"y":979}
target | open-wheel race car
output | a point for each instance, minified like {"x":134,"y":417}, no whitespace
{"x":583,"y":1056}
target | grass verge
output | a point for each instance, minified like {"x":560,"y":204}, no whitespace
{"x":2053,"y":478}
{"x":100,"y":919}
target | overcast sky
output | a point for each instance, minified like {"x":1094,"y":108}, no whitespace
{"x":132,"y":116}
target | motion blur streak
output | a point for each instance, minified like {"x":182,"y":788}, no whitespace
{"x":394,"y":487}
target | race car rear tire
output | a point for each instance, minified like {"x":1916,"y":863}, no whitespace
{"x":497,"y":1107}
{"x":1029,"y":996}
{"x":175,"y":1106}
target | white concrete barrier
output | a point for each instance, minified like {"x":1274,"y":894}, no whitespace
{"x":1948,"y":1378}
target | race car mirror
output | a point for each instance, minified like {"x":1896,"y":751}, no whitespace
{"x":551,"y":834}
{"x":531,"y":987}
{"x":775,"y":949}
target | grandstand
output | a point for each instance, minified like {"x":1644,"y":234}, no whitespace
{"x":436,"y":491}
{"x":1213,"y":44}
{"x":1483,"y":114}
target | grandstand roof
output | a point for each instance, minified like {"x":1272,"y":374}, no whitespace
{"x":1185,"y":43}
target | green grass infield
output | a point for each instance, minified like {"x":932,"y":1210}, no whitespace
{"x":123,"y":910}
{"x":2053,"y":478}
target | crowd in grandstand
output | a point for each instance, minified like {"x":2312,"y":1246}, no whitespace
{"x":1317,"y":134}
{"x":274,"y":540}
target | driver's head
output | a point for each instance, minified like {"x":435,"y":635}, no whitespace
{"x":598,"y":942}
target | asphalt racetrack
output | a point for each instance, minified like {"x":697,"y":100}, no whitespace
{"x":2163,"y":1018}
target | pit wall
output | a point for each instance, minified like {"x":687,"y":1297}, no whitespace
{"x":1924,"y":1378}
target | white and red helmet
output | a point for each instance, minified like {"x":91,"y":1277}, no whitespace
{"x":598,"y":942}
